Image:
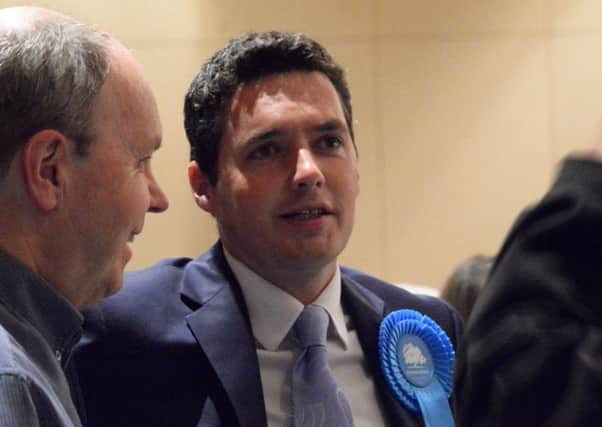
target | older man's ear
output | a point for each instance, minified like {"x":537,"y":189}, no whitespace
{"x":43,"y":162}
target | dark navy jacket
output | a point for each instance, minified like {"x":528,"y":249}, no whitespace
{"x":176,"y":345}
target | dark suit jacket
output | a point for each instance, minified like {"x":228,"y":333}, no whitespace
{"x":176,"y":343}
{"x":532,"y":354}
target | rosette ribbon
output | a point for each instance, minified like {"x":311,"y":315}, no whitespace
{"x":417,"y":359}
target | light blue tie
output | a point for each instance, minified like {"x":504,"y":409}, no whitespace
{"x":317,"y":399}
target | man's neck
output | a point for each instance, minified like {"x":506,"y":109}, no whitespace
{"x":305,"y":288}
{"x":303,"y":282}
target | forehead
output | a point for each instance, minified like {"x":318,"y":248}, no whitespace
{"x":126,"y":102}
{"x":298,"y":91}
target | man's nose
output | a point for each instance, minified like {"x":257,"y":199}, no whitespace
{"x":158,"y":201}
{"x":307,"y":171}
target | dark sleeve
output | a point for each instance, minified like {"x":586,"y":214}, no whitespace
{"x":457,"y":326}
{"x":532,"y":350}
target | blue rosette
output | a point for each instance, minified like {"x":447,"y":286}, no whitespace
{"x":417,"y":359}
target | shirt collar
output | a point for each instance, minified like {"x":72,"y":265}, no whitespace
{"x":31,"y":298}
{"x":273,"y":312}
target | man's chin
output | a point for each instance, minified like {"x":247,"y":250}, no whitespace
{"x":114,"y":283}
{"x":127,"y":254}
{"x":113,"y":287}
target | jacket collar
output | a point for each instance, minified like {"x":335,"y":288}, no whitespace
{"x":221,"y":317}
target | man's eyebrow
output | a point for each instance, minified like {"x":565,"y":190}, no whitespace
{"x":334,"y":125}
{"x":331,"y":126}
{"x":262,"y":137}
{"x":149,"y":149}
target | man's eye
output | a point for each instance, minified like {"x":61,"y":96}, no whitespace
{"x":264,"y":152}
{"x":330,"y":143}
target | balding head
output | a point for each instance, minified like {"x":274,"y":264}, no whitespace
{"x":51,"y":70}
{"x":78,"y":127}
{"x":27,"y":18}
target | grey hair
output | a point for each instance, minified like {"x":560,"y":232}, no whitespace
{"x":50,"y":76}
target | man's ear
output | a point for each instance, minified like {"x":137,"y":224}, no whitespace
{"x":42,"y":160}
{"x":201,"y":187}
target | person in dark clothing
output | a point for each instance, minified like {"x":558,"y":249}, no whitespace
{"x":532,"y":351}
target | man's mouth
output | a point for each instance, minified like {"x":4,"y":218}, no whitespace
{"x":306,"y":214}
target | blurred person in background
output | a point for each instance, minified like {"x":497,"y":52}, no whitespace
{"x":466,"y":282}
{"x":532,"y":352}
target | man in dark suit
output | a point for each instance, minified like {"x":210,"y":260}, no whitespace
{"x":532,"y":354}
{"x":211,"y":341}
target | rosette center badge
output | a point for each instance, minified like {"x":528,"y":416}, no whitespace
{"x":415,"y":360}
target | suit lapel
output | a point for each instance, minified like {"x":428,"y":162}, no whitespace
{"x":367,"y":311}
{"x":221,"y":327}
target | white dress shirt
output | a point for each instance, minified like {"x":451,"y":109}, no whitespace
{"x":273,"y":313}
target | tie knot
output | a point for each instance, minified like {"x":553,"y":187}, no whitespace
{"x":311,"y":326}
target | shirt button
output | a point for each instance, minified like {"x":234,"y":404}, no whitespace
{"x":58,"y":355}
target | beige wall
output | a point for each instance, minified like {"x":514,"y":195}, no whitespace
{"x":463,"y":108}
